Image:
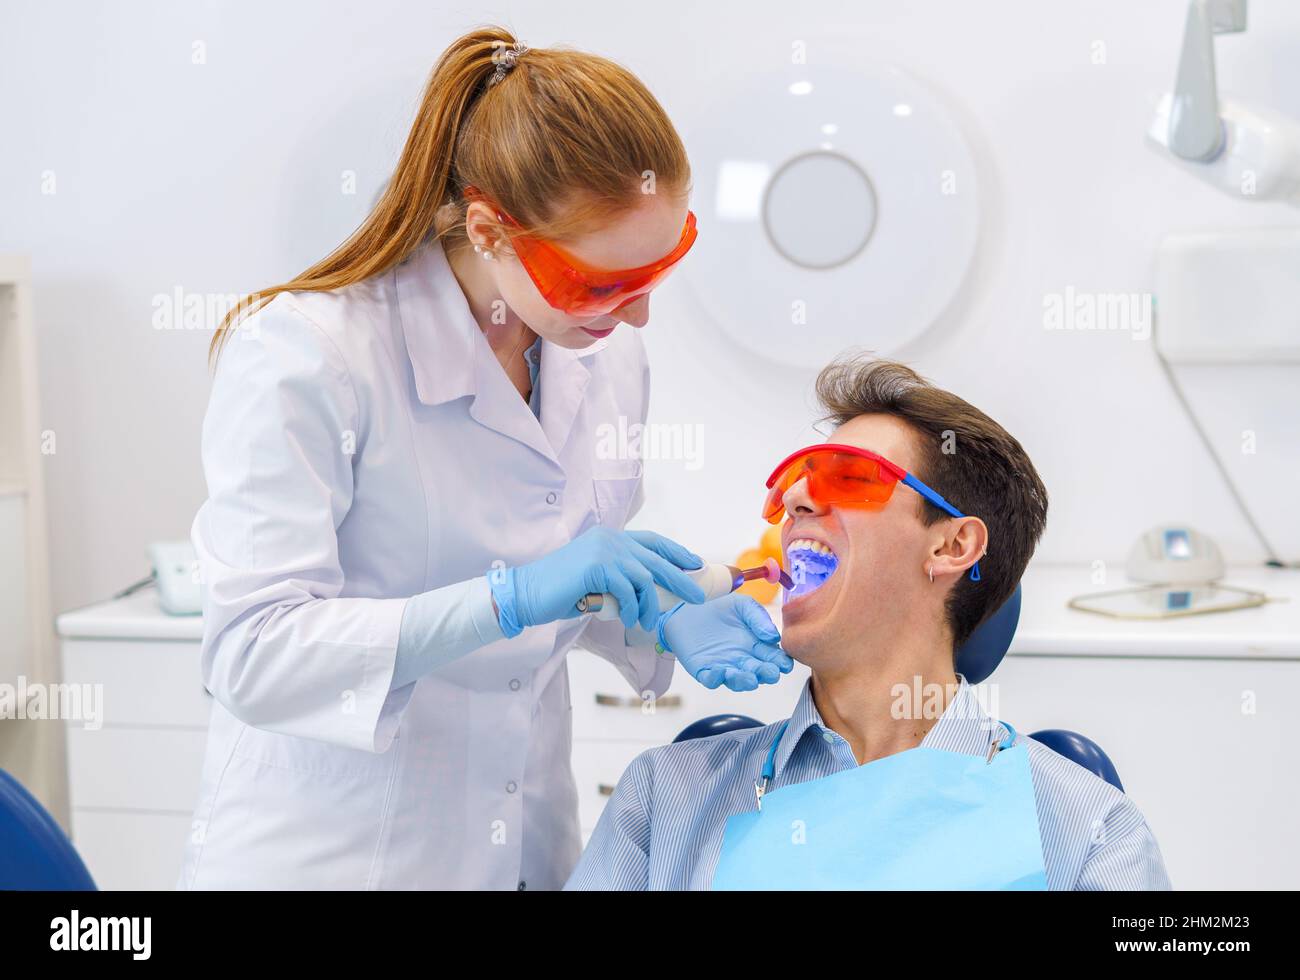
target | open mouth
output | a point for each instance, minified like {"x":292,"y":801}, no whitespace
{"x":811,"y":564}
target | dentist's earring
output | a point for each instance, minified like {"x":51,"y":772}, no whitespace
{"x":486,"y":253}
{"x":930,"y":569}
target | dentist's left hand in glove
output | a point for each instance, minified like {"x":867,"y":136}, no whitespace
{"x":730,"y":641}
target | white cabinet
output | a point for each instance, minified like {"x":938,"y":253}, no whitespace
{"x":134,"y":763}
{"x":1206,"y":749}
{"x":1197,"y":713}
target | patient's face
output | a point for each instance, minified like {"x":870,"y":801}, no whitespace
{"x":881,"y":552}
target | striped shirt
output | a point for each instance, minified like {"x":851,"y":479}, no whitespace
{"x":662,"y":828}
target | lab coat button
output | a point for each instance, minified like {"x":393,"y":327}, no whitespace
{"x":514,"y":685}
{"x":552,"y":497}
{"x":523,"y":886}
{"x":511,"y":786}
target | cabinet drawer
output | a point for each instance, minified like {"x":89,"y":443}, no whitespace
{"x":144,"y":682}
{"x":606,"y":707}
{"x":135,"y":768}
{"x":131,"y":851}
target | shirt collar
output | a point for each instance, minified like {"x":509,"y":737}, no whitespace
{"x":963,"y":727}
{"x":441,"y":335}
{"x":437,"y":325}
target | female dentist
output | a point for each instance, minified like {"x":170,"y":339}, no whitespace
{"x":407,"y":497}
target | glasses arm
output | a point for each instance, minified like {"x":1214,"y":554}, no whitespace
{"x":944,"y":506}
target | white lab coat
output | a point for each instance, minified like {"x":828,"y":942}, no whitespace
{"x":360,"y":447}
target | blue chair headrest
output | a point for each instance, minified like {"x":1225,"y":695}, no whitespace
{"x":716,"y":725}
{"x":980,"y":655}
{"x":35,"y":855}
{"x":1082,"y":750}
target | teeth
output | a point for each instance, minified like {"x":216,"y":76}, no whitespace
{"x":807,"y":544}
{"x":811,"y":564}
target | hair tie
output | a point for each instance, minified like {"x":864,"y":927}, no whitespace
{"x":505,"y":60}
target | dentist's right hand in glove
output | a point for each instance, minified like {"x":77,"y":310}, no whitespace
{"x":626,"y":564}
{"x":730,"y":641}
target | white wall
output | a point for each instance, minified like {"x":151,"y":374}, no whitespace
{"x":224,"y":176}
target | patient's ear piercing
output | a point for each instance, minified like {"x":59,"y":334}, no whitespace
{"x":486,"y":253}
{"x":930,"y":568}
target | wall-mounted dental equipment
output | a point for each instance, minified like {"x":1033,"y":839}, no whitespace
{"x":1248,"y":152}
{"x":715,"y":579}
{"x":176,"y":574}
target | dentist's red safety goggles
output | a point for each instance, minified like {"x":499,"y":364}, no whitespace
{"x":578,"y":289}
{"x":844,"y":475}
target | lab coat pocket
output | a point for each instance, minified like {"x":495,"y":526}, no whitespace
{"x":617,"y":485}
{"x":296,"y":813}
{"x":311,"y":755}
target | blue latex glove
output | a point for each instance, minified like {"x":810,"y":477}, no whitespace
{"x":626,"y":564}
{"x":729,"y":641}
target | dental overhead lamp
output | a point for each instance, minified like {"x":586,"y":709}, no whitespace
{"x":839,"y":205}
{"x":1248,"y":152}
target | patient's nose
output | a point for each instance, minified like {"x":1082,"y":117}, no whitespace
{"x":798,"y":500}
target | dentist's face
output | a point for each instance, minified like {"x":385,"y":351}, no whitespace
{"x":635,"y":238}
{"x":880,"y":554}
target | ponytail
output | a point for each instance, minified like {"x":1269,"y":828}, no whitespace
{"x":535,"y":130}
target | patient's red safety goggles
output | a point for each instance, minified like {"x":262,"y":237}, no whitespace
{"x":844,"y":475}
{"x":578,"y":289}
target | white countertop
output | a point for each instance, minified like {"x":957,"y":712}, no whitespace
{"x":137,"y":617}
{"x":1047,"y":626}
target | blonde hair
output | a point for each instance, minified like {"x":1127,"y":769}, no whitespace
{"x":561,"y":141}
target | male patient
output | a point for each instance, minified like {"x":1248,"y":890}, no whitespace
{"x":885,"y":594}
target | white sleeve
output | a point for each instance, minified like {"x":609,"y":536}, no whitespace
{"x":283,"y":650}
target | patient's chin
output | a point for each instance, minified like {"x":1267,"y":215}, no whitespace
{"x":803,"y":640}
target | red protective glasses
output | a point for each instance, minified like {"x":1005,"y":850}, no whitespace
{"x":578,"y":289}
{"x":843,"y":476}
{"x":836,"y":475}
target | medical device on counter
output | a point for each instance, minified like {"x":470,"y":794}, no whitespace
{"x":1174,"y":554}
{"x":1182,"y":567}
{"x":175,"y":572}
{"x":715,"y":579}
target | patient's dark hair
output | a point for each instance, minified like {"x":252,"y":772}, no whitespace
{"x":970,"y":460}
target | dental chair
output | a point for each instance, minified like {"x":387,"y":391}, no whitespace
{"x":35,"y":855}
{"x":978,"y":657}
